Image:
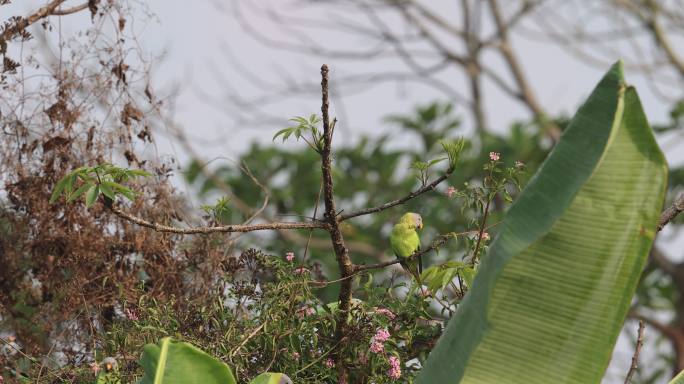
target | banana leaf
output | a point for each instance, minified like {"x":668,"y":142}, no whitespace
{"x":554,"y":288}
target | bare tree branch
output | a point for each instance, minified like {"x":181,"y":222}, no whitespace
{"x":330,"y":216}
{"x":649,"y":17}
{"x":69,"y":11}
{"x":667,"y":330}
{"x":671,"y":212}
{"x":526,"y":91}
{"x":637,"y":350}
{"x":217,"y":229}
{"x":402,"y":200}
{"x":25,"y":22}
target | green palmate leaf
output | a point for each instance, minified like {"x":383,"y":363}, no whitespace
{"x":552,"y":293}
{"x":176,"y":362}
{"x":468,"y":275}
{"x":271,"y":378}
{"x":78,"y":192}
{"x":107,"y":190}
{"x":59,"y":188}
{"x":91,"y":195}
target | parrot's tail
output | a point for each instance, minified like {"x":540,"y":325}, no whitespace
{"x":413,"y":267}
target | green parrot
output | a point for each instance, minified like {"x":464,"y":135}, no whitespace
{"x":405,"y":242}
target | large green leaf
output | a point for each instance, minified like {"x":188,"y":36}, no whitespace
{"x":553,"y":290}
{"x":679,"y":379}
{"x":174,"y":362}
{"x":271,"y":378}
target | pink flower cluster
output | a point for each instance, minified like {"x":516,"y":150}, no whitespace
{"x":451,"y":191}
{"x":395,"y":368}
{"x":329,"y":363}
{"x":377,"y":347}
{"x":289,"y":256}
{"x":485,"y":236}
{"x":301,"y":271}
{"x":386,"y":312}
{"x":378,"y":340}
{"x":131,"y":314}
{"x":304,"y":312}
{"x":494,"y":156}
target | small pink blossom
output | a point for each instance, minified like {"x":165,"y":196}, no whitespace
{"x":494,"y":156}
{"x":377,"y":347}
{"x":424,"y":292}
{"x":386,"y":312}
{"x":304,"y":312}
{"x":289,"y":256}
{"x":131,"y":314}
{"x":295,"y":355}
{"x":381,"y":335}
{"x":329,"y":363}
{"x":95,"y":367}
{"x":395,"y":368}
{"x":485,"y":236}
{"x":301,"y":270}
{"x":451,"y":191}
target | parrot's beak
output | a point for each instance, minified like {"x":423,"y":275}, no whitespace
{"x":420,"y":226}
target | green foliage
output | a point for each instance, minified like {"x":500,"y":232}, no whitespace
{"x":553,"y":291}
{"x":219,"y":212}
{"x":269,"y":318}
{"x":178,"y":362}
{"x":432,"y":122}
{"x":304,"y":126}
{"x":440,"y":276}
{"x":91,"y":182}
{"x":453,"y":149}
{"x":423,"y":169}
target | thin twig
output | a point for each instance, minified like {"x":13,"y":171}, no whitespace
{"x":69,"y":11}
{"x":256,"y":181}
{"x":481,"y":232}
{"x":242,"y":344}
{"x":637,"y":350}
{"x":668,"y":331}
{"x":217,"y":229}
{"x":671,"y":212}
{"x":402,"y":200}
{"x":315,"y":212}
